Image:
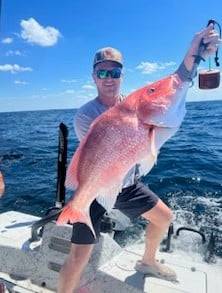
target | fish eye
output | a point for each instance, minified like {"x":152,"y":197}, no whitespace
{"x":151,"y":90}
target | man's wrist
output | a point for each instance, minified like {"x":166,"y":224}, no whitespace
{"x":183,"y":72}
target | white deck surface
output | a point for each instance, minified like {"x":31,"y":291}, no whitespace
{"x":192,"y":277}
{"x":29,"y":267}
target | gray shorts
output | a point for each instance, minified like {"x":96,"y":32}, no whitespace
{"x":133,"y":201}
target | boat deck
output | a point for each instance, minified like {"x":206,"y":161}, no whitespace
{"x":27,"y":266}
{"x":192,"y":277}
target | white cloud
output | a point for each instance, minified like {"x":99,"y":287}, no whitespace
{"x":68,"y":80}
{"x":14,"y":53}
{"x":14,"y":68}
{"x":7,"y":41}
{"x":20,"y":82}
{"x":69,"y":92}
{"x":88,"y":87}
{"x":148,"y":67}
{"x":34,"y":33}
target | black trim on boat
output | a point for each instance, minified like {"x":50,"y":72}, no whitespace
{"x":209,"y":236}
{"x":38,"y":226}
{"x":62,"y":161}
{"x":191,"y":230}
{"x":54,"y":212}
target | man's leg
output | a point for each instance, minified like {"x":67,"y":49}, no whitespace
{"x":82,"y":245}
{"x":73,"y":267}
{"x":159,"y":217}
{"x":138,"y":200}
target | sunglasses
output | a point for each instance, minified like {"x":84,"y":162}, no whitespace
{"x":103,"y":73}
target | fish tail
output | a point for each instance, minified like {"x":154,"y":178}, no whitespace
{"x":74,"y":215}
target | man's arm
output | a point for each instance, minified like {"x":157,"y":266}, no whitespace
{"x":210,"y":38}
{"x":81,"y":125}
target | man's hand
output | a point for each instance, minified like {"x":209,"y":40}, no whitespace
{"x":210,"y":37}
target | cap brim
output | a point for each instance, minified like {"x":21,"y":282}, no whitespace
{"x":102,"y":61}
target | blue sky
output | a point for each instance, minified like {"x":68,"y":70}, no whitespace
{"x":47,"y":47}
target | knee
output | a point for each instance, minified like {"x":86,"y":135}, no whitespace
{"x":80,"y":254}
{"x":165,"y":219}
{"x":160,"y":215}
{"x":169,"y":216}
{"x":75,"y":262}
{"x":165,"y":215}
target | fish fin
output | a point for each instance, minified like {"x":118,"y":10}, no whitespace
{"x":71,"y":174}
{"x":153,"y":149}
{"x":72,"y":171}
{"x":107,"y":197}
{"x":146,"y":165}
{"x":73,"y":215}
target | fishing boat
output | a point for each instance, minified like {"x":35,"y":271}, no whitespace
{"x":33,"y":249}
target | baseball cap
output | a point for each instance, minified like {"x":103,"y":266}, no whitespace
{"x":107,"y":54}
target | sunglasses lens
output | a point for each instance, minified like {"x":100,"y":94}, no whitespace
{"x":116,"y":73}
{"x":103,"y":73}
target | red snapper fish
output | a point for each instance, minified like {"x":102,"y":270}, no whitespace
{"x":127,"y":134}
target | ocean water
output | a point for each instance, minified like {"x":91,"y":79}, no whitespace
{"x":188,"y":174}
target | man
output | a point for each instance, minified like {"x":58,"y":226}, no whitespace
{"x":135,"y":198}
